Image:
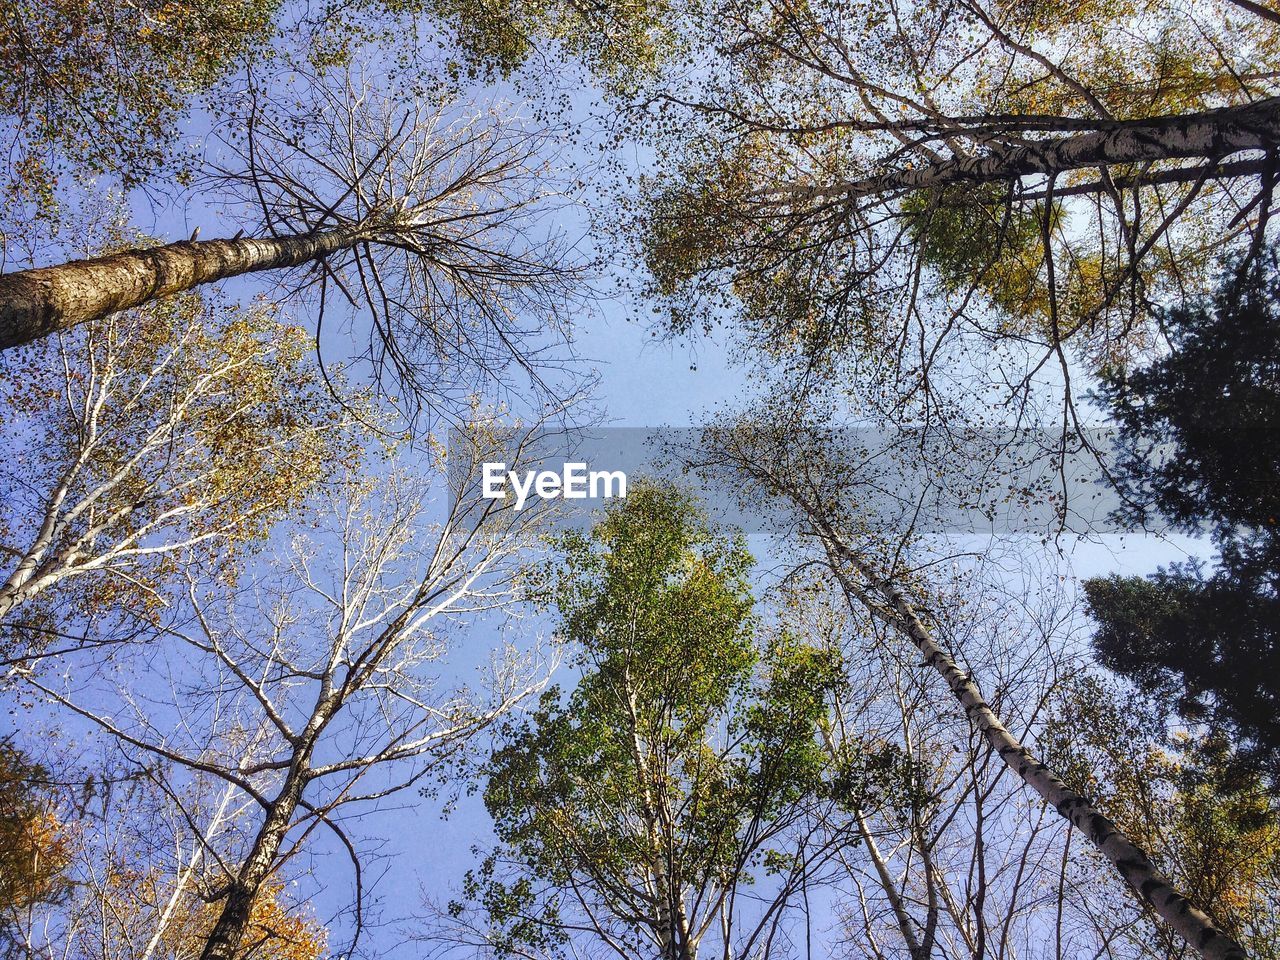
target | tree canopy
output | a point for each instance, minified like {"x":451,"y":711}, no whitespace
{"x":885,"y":177}
{"x":1199,"y":447}
{"x":679,"y":767}
{"x":256,"y":604}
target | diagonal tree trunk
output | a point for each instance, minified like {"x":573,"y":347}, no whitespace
{"x":233,"y":922}
{"x":225,"y":939}
{"x":904,"y":921}
{"x":1256,"y":8}
{"x":1209,"y":135}
{"x":885,"y":600}
{"x":34,"y":303}
{"x":891,"y":605}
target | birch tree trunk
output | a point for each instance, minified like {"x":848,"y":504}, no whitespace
{"x":22,"y":586}
{"x":1210,"y":135}
{"x":26,"y":580}
{"x":905,"y":924}
{"x":37,"y":302}
{"x":890,"y":891}
{"x":1130,"y":860}
{"x":671,"y":928}
{"x":185,"y":875}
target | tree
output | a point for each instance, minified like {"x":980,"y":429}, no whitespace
{"x":36,"y":843}
{"x":961,"y":860}
{"x":133,"y":866}
{"x":618,"y":43}
{"x":1198,"y":446}
{"x":891,"y":179}
{"x":1214,"y":830}
{"x":100,"y":87}
{"x":666,"y":802}
{"x":181,"y":426}
{"x":321,"y":671}
{"x":787,"y":462}
{"x":275,"y":931}
{"x":432,"y":218}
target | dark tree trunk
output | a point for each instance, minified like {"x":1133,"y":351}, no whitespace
{"x":225,"y":939}
{"x":35,"y":303}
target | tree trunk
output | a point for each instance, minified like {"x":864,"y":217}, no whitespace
{"x":34,"y":303}
{"x":1131,"y":861}
{"x":11,"y":595}
{"x":1210,"y":135}
{"x":905,"y":923}
{"x":225,"y":939}
{"x":668,"y":926}
{"x":19,"y":586}
{"x":1258,"y":9}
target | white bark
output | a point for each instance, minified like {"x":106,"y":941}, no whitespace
{"x":1211,"y":136}
{"x":886,"y":600}
{"x":330,"y":657}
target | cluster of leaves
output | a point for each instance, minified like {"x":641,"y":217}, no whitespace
{"x":977,"y":237}
{"x":1136,"y":57}
{"x":618,"y":40}
{"x":103,"y":85}
{"x":882,"y":776}
{"x":685,"y":743}
{"x":1207,"y":822}
{"x":36,"y":844}
{"x":182,"y":430}
{"x":711,"y":250}
{"x":277,"y":930}
{"x":90,"y":854}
